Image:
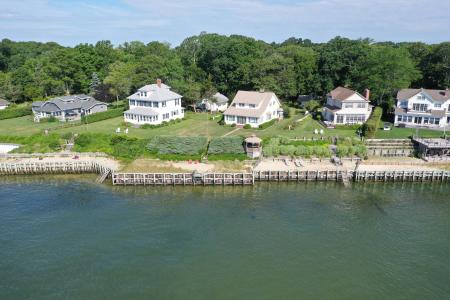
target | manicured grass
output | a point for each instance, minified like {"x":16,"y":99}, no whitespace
{"x":403,"y":133}
{"x":195,"y":124}
{"x":24,"y":126}
{"x":303,"y":129}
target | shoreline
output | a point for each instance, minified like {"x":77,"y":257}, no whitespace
{"x":156,"y":172}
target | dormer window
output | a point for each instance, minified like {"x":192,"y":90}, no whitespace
{"x":421,"y":97}
{"x":252,"y":105}
{"x":241,"y":104}
{"x":436,"y":105}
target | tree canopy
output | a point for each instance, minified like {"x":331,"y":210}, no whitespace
{"x":207,"y":62}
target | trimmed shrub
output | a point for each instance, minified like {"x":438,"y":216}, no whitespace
{"x":247,"y":126}
{"x":372,"y":125}
{"x":226,"y":145}
{"x":104,"y":115}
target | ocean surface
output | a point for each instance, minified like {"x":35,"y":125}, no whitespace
{"x":68,"y":238}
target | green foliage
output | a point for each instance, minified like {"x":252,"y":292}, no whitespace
{"x":247,"y":126}
{"x":286,"y":147}
{"x":226,"y":145}
{"x":177,"y":145}
{"x":312,"y":105}
{"x":104,"y":115}
{"x":38,"y":143}
{"x":119,"y":146}
{"x":373,"y":124}
{"x":163,"y":124}
{"x":15,"y":112}
{"x":267,"y":124}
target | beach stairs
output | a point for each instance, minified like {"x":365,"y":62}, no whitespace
{"x":103,"y":176}
{"x":389,"y":147}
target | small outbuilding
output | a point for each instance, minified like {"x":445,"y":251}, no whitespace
{"x":432,"y":149}
{"x":253,"y":146}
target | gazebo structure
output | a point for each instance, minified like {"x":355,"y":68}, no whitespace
{"x":431,"y":149}
{"x":253,"y":146}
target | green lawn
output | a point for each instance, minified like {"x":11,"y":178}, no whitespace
{"x":403,"y":133}
{"x":24,"y":126}
{"x":304,"y":128}
{"x":195,"y":124}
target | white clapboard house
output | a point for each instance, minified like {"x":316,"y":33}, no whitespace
{"x":153,"y":104}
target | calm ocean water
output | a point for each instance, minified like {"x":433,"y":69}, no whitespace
{"x":67,"y":238}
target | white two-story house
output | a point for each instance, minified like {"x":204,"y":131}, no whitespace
{"x":345,"y":106}
{"x":153,"y":104}
{"x":253,"y":108}
{"x":423,"y":108}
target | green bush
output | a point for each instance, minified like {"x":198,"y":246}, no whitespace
{"x":373,"y":124}
{"x":267,"y":124}
{"x":247,"y":126}
{"x":104,"y":115}
{"x":15,"y":112}
{"x":226,"y":145}
{"x":177,"y":145}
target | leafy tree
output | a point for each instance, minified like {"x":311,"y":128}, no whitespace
{"x":120,"y":78}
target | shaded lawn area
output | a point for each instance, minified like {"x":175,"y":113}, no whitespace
{"x":24,"y":126}
{"x":403,"y":133}
{"x":195,"y":124}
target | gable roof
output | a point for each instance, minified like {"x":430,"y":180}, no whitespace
{"x":220,"y":98}
{"x":3,"y":102}
{"x":342,"y":94}
{"x":66,"y":103}
{"x":261,"y":99}
{"x":155,"y":93}
{"x":436,"y":95}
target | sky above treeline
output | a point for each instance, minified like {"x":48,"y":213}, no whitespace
{"x":70,"y":22}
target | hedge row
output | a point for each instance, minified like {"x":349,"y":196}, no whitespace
{"x":267,"y":124}
{"x":177,"y":145}
{"x":104,"y":115}
{"x":228,"y":145}
{"x":15,"y":112}
{"x":372,"y":125}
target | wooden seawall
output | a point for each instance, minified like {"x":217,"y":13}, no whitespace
{"x":274,"y":176}
{"x":57,"y":167}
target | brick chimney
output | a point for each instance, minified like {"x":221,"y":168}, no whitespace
{"x":158,"y":82}
{"x":367,"y":94}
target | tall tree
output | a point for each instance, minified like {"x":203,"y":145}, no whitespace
{"x":120,"y":78}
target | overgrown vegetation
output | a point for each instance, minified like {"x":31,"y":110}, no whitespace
{"x":35,"y":143}
{"x":119,"y":146}
{"x":228,"y":145}
{"x":15,"y":111}
{"x":284,"y":146}
{"x":178,"y":145}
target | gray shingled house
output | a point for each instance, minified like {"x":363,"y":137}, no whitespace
{"x":67,"y":108}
